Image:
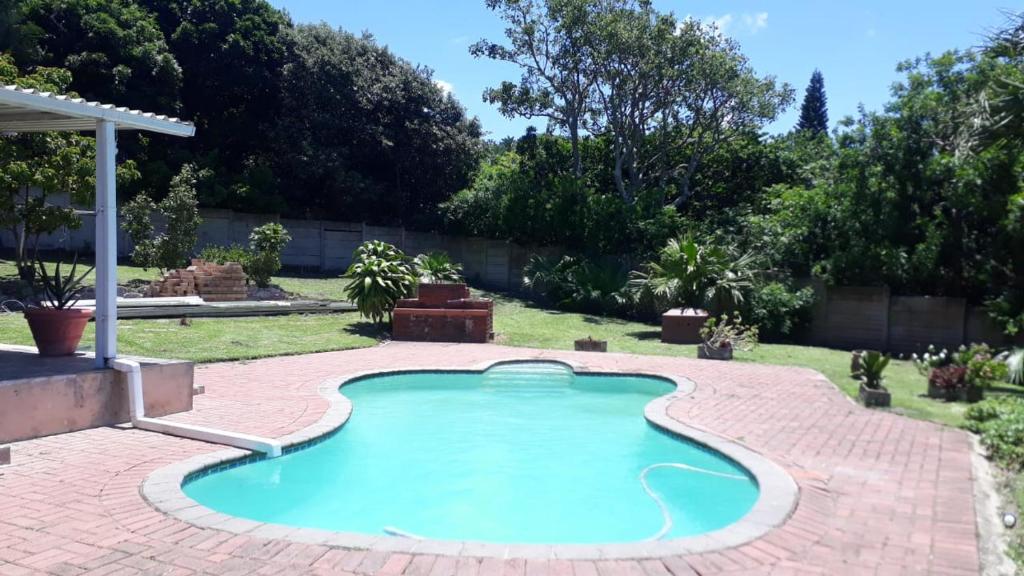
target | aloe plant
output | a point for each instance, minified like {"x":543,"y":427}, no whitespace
{"x":62,"y":291}
{"x":437,"y":267}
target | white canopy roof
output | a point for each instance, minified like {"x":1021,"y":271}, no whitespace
{"x":27,"y":110}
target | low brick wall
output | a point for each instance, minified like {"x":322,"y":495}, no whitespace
{"x":682,"y":326}
{"x":443,"y":313}
{"x":54,"y":404}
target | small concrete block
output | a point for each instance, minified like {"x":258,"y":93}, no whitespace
{"x":5,"y":455}
{"x":198,"y":389}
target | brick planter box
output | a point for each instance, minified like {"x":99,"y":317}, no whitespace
{"x":682,"y":325}
{"x":443,"y":313}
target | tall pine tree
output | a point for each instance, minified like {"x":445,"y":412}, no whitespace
{"x":814,"y":110}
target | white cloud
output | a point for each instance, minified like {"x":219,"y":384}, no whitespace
{"x":743,"y":23}
{"x":445,"y":87}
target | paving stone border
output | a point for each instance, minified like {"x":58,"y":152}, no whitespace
{"x":778,"y":497}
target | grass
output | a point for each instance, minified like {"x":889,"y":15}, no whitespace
{"x":221,"y":339}
{"x":517,"y":322}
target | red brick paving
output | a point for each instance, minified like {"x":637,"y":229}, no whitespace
{"x":880,"y":494}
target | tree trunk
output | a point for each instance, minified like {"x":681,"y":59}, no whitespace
{"x":574,"y":139}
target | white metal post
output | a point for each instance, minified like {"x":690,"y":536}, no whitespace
{"x":106,"y":243}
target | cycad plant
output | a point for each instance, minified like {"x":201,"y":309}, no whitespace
{"x":437,"y":268}
{"x":379,"y":276}
{"x":575,"y":283}
{"x":699,"y":275}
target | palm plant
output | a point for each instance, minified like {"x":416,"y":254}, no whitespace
{"x":688,"y":273}
{"x":379,"y":276}
{"x":872,"y":364}
{"x":576,"y":283}
{"x":437,"y":268}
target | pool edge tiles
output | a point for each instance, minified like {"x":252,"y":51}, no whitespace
{"x":777,"y":499}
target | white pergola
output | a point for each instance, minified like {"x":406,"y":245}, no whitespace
{"x":23,"y":110}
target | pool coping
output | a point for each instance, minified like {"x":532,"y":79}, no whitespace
{"x":778,"y":492}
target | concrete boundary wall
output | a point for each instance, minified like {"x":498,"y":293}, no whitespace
{"x":852,"y":317}
{"x":844,"y":316}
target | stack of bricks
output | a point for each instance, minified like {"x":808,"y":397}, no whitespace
{"x":212,"y":282}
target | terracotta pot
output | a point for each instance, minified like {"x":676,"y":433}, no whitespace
{"x":57,"y":332}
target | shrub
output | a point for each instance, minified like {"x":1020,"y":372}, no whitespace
{"x":265,"y":245}
{"x":688,"y":273}
{"x":225,"y":254}
{"x":1015,"y":366}
{"x":437,"y":267}
{"x":579,"y":284}
{"x":1000,"y":422}
{"x":172,"y":248}
{"x":778,"y":311}
{"x":726,"y":331}
{"x":948,"y":377}
{"x":379,"y":276}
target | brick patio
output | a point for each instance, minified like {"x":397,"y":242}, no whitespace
{"x":880,"y":494}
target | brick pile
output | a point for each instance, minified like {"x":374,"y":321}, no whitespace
{"x":212,"y":282}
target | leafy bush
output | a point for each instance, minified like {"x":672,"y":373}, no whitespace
{"x":1015,"y":366}
{"x":379,"y":276}
{"x":778,"y":311}
{"x":265,"y":245}
{"x":976,"y":363}
{"x":579,"y":284}
{"x":437,"y":267}
{"x":1000,"y":422}
{"x":172,"y":248}
{"x":225,"y":254}
{"x":699,"y":275}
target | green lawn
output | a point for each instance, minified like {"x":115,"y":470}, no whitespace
{"x":517,"y":322}
{"x":215,"y":339}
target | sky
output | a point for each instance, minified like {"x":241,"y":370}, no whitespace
{"x":855,"y":43}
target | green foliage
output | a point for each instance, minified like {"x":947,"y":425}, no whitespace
{"x":1000,"y":422}
{"x":224,"y":254}
{"x":729,"y":331}
{"x":437,"y":267}
{"x":814,"y":109}
{"x":778,"y":311}
{"x":379,"y":276}
{"x":265,"y":245}
{"x":37,"y":166}
{"x":62,"y":291}
{"x":173,"y":247}
{"x":872,"y":364}
{"x":578,"y":284}
{"x":696,"y":274}
{"x":366,"y":135}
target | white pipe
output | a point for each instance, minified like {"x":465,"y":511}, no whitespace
{"x":106,"y":242}
{"x":137,"y":408}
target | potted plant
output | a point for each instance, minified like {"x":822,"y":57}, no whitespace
{"x":961,"y":375}
{"x":56,"y":325}
{"x":872,"y":392}
{"x":721,"y":336}
{"x":588,"y":344}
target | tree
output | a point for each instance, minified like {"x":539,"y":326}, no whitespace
{"x":114,"y":50}
{"x":668,"y":94}
{"x":232,"y":53}
{"x":172,"y":247}
{"x":814,"y":110}
{"x":548,"y":40}
{"x":34,"y":167}
{"x":364,"y":134}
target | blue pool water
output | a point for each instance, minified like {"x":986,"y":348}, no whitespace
{"x":521,"y":453}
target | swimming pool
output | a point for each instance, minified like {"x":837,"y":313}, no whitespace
{"x":520,"y":453}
